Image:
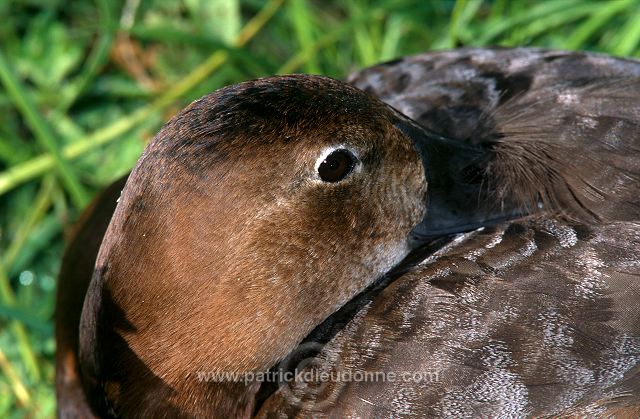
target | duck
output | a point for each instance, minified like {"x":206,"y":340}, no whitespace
{"x":451,"y":234}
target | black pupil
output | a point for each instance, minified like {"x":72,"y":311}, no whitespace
{"x":336,"y":166}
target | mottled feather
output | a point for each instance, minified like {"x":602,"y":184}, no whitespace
{"x":535,"y":318}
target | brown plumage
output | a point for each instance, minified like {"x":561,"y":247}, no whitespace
{"x":537,"y":316}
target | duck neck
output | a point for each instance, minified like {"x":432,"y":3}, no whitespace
{"x":121,"y":381}
{"x":174,"y":296}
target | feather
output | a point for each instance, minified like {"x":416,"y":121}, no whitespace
{"x":531,"y":318}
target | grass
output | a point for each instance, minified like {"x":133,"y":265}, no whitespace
{"x":84,"y":85}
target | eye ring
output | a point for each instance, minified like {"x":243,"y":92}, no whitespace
{"x":336,"y":165}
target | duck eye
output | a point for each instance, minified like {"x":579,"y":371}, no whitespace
{"x":337,"y":165}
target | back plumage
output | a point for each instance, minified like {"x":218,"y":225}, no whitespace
{"x":539,"y":317}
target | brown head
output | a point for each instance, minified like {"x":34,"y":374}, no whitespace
{"x":253,"y":215}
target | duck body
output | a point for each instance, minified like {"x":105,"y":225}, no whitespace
{"x":535,"y":318}
{"x":535,"y":313}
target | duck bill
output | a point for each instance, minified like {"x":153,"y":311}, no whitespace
{"x":458,"y":199}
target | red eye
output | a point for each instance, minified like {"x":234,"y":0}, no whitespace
{"x":337,"y":165}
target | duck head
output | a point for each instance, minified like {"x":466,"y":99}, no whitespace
{"x":253,"y":215}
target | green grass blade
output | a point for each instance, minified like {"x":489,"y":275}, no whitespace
{"x":23,"y":172}
{"x":298,"y":60}
{"x":541,"y":10}
{"x":547,"y":25}
{"x":392,"y":37}
{"x":42,"y":132}
{"x":97,"y":59}
{"x":7,"y":296}
{"x":31,"y":220}
{"x":599,"y":19}
{"x":302,"y":23}
{"x":627,"y":40}
{"x":27,"y":318}
{"x":19,"y":390}
{"x":463,"y":12}
{"x":498,"y":9}
{"x":365,"y":45}
{"x":29,"y":359}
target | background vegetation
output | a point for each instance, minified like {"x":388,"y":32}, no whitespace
{"x":84,"y":84}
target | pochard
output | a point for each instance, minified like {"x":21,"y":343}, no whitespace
{"x":453,"y":234}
